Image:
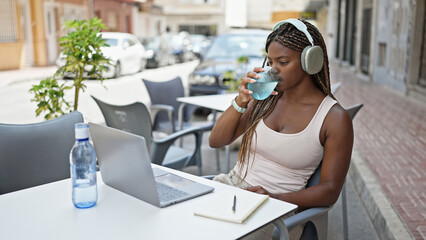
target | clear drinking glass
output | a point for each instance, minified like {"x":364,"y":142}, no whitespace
{"x":263,"y":86}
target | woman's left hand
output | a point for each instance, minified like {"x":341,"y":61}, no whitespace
{"x":257,"y":189}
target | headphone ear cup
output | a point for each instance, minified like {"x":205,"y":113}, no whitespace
{"x":312,"y":59}
{"x":303,"y":58}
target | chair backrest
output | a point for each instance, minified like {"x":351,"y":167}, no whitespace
{"x":35,"y":154}
{"x":315,"y":177}
{"x":335,"y":87}
{"x":165,"y":92}
{"x":133,"y":118}
{"x":354,"y":110}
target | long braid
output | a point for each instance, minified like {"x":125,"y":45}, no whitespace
{"x":289,"y":36}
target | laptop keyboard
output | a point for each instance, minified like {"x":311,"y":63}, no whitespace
{"x":167,"y":193}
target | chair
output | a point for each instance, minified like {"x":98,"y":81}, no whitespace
{"x":335,"y":87}
{"x":352,"y":113}
{"x":316,"y":218}
{"x":164,"y":106}
{"x":35,"y":154}
{"x":135,"y":118}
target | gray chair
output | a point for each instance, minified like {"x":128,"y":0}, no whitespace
{"x":135,"y":118}
{"x":352,"y":113}
{"x":35,"y":154}
{"x":164,"y":106}
{"x":316,"y":218}
{"x":335,"y":87}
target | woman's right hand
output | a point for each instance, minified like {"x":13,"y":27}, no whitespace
{"x":243,"y":93}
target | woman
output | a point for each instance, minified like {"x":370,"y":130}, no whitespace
{"x":286,"y":136}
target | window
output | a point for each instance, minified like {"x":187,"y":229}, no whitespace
{"x":129,"y":41}
{"x":8,"y":21}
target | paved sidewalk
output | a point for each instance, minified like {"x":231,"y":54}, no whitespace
{"x":390,"y":138}
{"x":25,"y":74}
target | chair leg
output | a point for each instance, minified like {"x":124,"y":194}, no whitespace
{"x":321,"y":225}
{"x":227,"y":156}
{"x":345,"y":213}
{"x":200,"y":171}
{"x":218,"y":159}
{"x":280,"y":231}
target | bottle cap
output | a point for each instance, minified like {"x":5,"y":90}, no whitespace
{"x":81,"y":131}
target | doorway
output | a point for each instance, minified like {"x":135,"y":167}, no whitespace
{"x":365,"y":40}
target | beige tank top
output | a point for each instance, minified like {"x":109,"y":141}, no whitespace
{"x":284,"y":162}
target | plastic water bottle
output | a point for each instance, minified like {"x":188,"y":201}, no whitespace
{"x":83,"y":169}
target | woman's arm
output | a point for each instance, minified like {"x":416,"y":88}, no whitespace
{"x":231,"y":124}
{"x":337,"y":155}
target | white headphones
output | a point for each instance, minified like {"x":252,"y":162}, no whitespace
{"x":312,"y":57}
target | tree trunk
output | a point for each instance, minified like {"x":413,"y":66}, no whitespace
{"x":77,"y":86}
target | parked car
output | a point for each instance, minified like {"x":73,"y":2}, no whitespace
{"x":182,"y":46}
{"x":210,"y":77}
{"x":127,"y":54}
{"x":199,"y":44}
{"x":158,"y":52}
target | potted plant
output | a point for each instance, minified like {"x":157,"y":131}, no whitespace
{"x":236,"y":75}
{"x":81,"y":50}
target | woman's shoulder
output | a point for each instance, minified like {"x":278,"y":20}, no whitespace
{"x":338,"y":118}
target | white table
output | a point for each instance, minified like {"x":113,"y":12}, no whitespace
{"x":217,"y":102}
{"x":47,"y":212}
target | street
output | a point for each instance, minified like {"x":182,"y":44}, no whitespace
{"x":16,"y":106}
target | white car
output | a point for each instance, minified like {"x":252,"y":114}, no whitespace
{"x":127,"y":54}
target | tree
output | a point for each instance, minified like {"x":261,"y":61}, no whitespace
{"x":81,"y":50}
{"x":235,"y":75}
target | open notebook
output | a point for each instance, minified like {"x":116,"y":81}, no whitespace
{"x":219,"y":205}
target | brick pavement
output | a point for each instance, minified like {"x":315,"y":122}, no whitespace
{"x":390,"y":135}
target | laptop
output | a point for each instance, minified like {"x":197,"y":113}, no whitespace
{"x":125,"y":165}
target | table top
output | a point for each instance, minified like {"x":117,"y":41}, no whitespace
{"x":47,"y":212}
{"x":219,"y":102}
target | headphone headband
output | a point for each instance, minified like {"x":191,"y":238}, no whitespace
{"x":299,"y":25}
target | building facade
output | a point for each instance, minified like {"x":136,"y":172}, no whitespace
{"x":116,"y":15}
{"x":149,"y":20}
{"x":382,"y":40}
{"x":29,"y":29}
{"x":194,"y":16}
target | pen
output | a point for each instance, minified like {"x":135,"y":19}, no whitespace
{"x":235,"y":204}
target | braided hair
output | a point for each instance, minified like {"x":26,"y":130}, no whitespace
{"x":289,"y":36}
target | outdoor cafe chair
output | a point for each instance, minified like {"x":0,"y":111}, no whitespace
{"x":316,"y":218}
{"x":135,"y":118}
{"x":352,"y":113}
{"x":164,"y":108}
{"x":164,"y":105}
{"x":335,"y":87}
{"x":37,"y":153}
